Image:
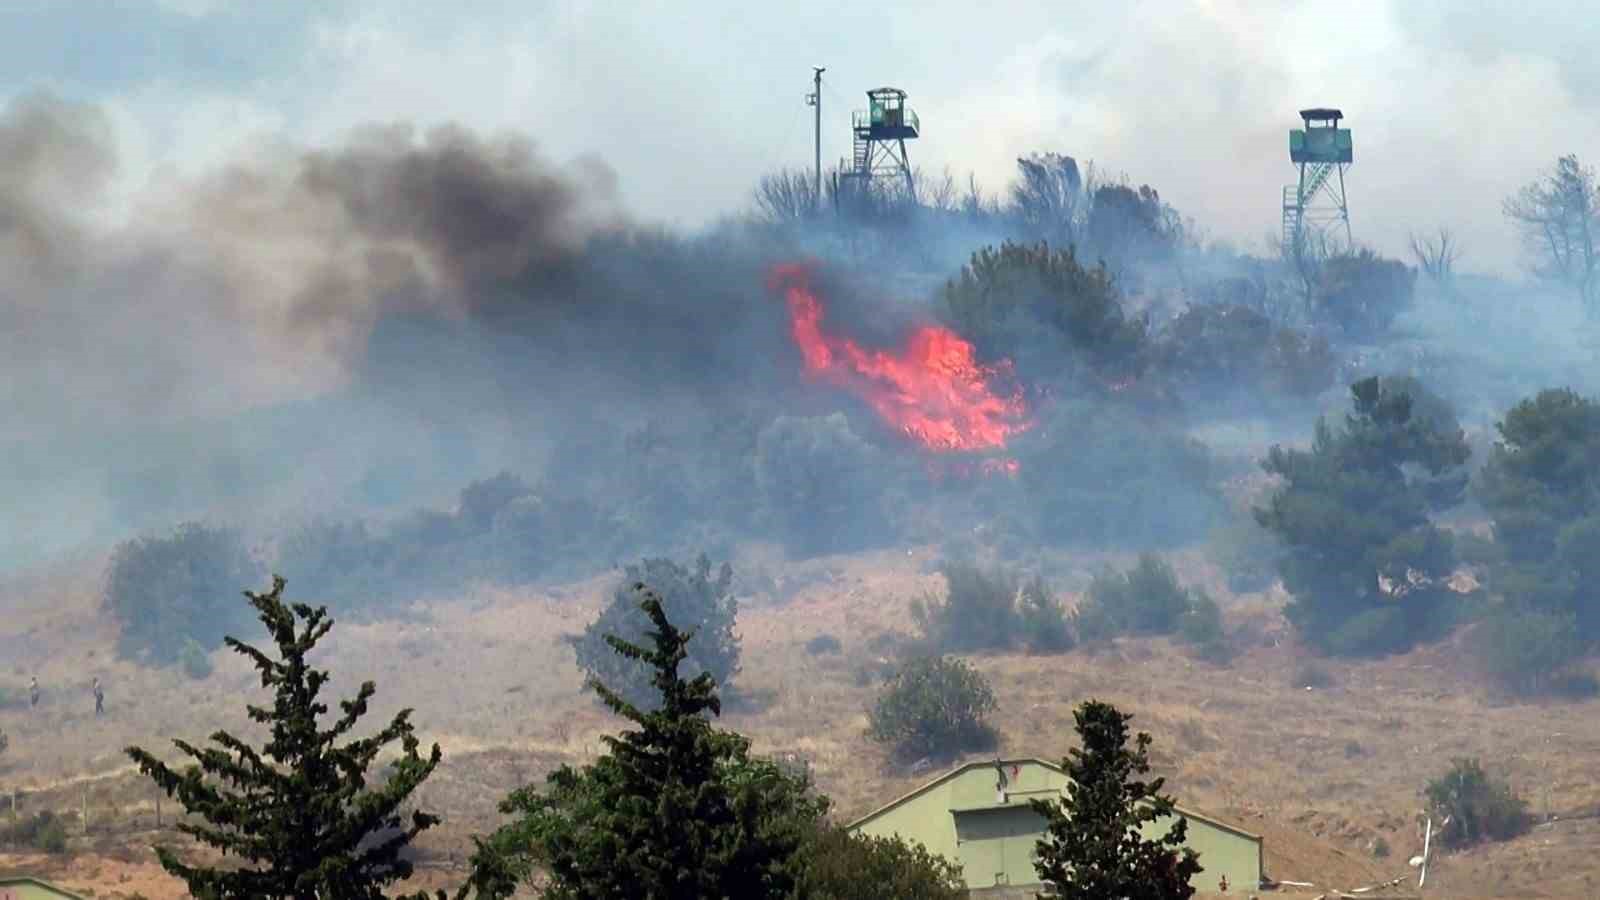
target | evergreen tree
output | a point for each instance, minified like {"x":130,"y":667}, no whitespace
{"x":298,"y":810}
{"x":676,"y":810}
{"x":1096,"y":848}
{"x":1541,"y":486}
{"x":1365,"y":564}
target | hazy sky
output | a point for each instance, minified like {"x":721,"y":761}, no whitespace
{"x":1453,"y":104}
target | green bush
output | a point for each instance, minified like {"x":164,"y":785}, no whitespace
{"x":1042,"y":309}
{"x":989,"y":609}
{"x":43,"y":831}
{"x":934,"y":706}
{"x":195,"y":661}
{"x":1146,"y":599}
{"x":1230,"y":352}
{"x":1372,"y":632}
{"x":166,"y":591}
{"x":978,"y":612}
{"x":1527,"y":651}
{"x":1361,"y":293}
{"x":1202,"y":629}
{"x":1128,"y":224}
{"x":702,"y":605}
{"x":1473,"y":807}
{"x":1043,"y":619}
{"x":838,"y":865}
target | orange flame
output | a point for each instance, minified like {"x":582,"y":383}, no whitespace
{"x":934,"y":390}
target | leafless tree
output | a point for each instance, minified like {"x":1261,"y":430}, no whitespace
{"x":786,"y":195}
{"x":936,"y":192}
{"x":1436,"y":254}
{"x":1559,"y":218}
{"x":975,"y":204}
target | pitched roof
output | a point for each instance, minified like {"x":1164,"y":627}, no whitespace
{"x":39,"y":883}
{"x":1184,"y":811}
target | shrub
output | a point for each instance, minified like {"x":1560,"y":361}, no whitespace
{"x":1361,"y":293}
{"x":979,"y":611}
{"x":934,"y":706}
{"x":1230,"y":352}
{"x":166,"y":591}
{"x":1527,"y":651}
{"x":194,"y":659}
{"x":43,"y":831}
{"x":1131,"y":479}
{"x":989,"y":609}
{"x":1474,"y":807}
{"x":1130,"y":224}
{"x":1146,"y":599}
{"x":1201,"y":628}
{"x":820,"y":484}
{"x":1043,"y":619}
{"x":343,"y":563}
{"x":838,"y":865}
{"x":1041,"y":308}
{"x":823,"y":643}
{"x":1246,"y":553}
{"x":702,"y":605}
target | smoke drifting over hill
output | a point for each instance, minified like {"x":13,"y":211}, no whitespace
{"x":367,"y":327}
{"x":401,"y":312}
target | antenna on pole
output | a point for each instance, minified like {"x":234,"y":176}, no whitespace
{"x":815,"y":99}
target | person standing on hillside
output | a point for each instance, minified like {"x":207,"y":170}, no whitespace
{"x":99,"y":698}
{"x":33,"y":692}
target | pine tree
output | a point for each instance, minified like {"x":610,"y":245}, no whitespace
{"x":1096,"y":848}
{"x":299,"y":810}
{"x":675,"y":810}
{"x":1365,"y":563}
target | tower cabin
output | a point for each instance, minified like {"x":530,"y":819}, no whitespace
{"x":1321,"y":140}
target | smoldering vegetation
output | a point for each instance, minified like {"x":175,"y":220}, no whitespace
{"x":423,"y":358}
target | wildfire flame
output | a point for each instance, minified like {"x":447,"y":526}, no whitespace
{"x":934,"y":390}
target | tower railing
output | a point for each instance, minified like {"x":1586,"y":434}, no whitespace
{"x":861,"y":119}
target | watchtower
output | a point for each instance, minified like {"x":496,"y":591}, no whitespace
{"x":881,"y":131}
{"x":1316,"y":204}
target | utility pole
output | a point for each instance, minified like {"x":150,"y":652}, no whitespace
{"x":815,"y":99}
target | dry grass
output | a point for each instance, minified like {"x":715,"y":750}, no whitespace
{"x":1321,"y":773}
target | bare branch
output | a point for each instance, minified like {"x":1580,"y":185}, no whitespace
{"x":1436,"y":254}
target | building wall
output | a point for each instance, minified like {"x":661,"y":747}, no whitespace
{"x":964,"y":820}
{"x":1222,"y":852}
{"x":927,"y":818}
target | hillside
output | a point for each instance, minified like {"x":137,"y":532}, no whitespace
{"x":1321,"y":773}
